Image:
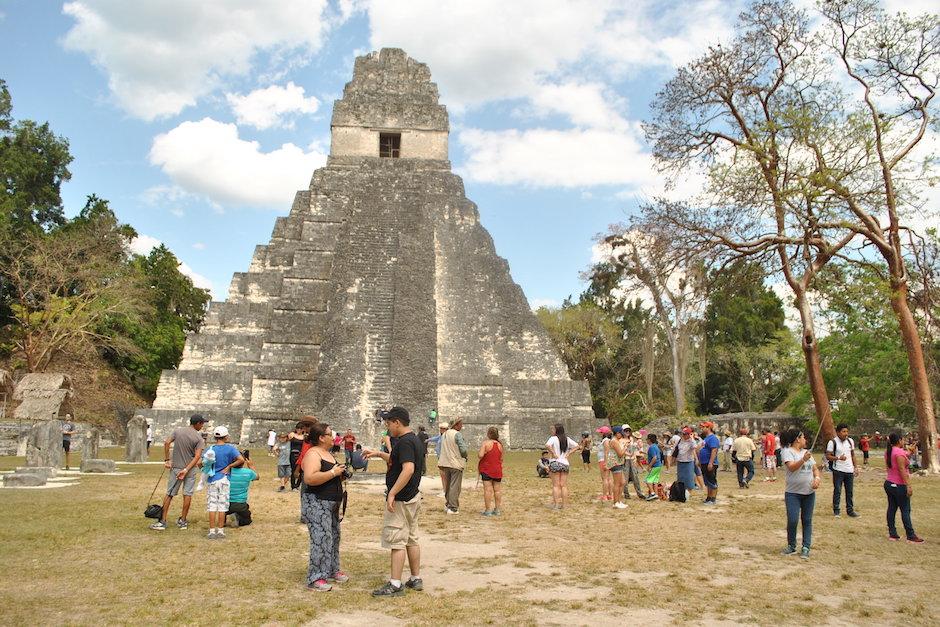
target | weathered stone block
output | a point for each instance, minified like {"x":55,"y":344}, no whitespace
{"x":23,"y":480}
{"x":46,"y":471}
{"x":136,"y":445}
{"x":90,"y":441}
{"x":44,"y":444}
{"x":98,"y":465}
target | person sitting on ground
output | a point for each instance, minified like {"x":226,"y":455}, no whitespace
{"x":282,"y":450}
{"x":541,"y":467}
{"x":358,"y":460}
{"x":654,"y":461}
{"x":238,"y":514}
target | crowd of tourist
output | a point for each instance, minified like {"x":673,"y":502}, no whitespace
{"x":308,"y":458}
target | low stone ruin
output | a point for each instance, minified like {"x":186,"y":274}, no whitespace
{"x":98,"y":465}
{"x":24,"y":478}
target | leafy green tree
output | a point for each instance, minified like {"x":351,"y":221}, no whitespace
{"x":749,"y":351}
{"x":33,"y":165}
{"x":175,"y":308}
{"x":865,"y":363}
{"x":65,"y":285}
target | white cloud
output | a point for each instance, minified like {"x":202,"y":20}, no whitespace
{"x":143,"y":244}
{"x":482,"y":50}
{"x":587,"y":105}
{"x":557,"y":158}
{"x":177,"y":211}
{"x":911,"y":7}
{"x":645,"y":33}
{"x":537,"y":303}
{"x":209,"y":158}
{"x":165,"y":194}
{"x":161,"y":56}
{"x":199,"y":246}
{"x":272,"y":107}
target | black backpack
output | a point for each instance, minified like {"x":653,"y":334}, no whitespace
{"x":677,"y":491}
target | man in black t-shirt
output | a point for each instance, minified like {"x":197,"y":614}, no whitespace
{"x":403,"y":501}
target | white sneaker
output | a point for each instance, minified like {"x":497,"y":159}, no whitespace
{"x":619,"y":505}
{"x":452,"y":511}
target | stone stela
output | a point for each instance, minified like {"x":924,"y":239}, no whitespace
{"x":380,"y":287}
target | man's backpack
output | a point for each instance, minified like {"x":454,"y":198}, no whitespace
{"x":677,"y":491}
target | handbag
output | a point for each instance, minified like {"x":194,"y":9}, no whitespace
{"x":154,"y":510}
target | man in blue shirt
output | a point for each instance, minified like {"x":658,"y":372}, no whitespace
{"x":708,"y":461}
{"x":225,"y":457}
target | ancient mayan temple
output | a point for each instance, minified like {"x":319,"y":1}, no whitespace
{"x":380,"y":287}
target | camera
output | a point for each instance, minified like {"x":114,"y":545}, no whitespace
{"x":347,"y":473}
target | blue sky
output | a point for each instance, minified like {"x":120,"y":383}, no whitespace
{"x":199,"y":120}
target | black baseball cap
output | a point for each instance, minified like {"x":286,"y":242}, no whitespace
{"x":195,"y":419}
{"x":397,"y":413}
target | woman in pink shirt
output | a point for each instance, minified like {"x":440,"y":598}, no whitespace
{"x":898,"y":489}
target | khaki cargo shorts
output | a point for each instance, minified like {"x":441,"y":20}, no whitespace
{"x":400,"y":528}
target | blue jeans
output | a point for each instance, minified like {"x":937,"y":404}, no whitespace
{"x":899,"y":500}
{"x":800,"y":509}
{"x":742,"y":466}
{"x":839,"y":479}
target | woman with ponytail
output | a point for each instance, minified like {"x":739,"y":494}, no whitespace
{"x":800,"y":491}
{"x":898,"y":488}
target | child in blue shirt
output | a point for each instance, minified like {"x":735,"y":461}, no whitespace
{"x":217,"y":493}
{"x":654,"y":461}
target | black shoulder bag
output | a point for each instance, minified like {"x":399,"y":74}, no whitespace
{"x":153,"y":510}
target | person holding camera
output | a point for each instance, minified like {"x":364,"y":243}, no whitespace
{"x":320,"y":504}
{"x":800,"y":490}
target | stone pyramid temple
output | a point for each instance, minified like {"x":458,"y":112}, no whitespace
{"x":380,"y":288}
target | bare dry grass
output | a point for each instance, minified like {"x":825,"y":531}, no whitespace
{"x":83,"y":555}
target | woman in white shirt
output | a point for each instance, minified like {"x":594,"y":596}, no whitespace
{"x":559,"y":448}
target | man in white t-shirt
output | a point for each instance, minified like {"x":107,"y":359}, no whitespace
{"x":840,"y":452}
{"x":272,"y":440}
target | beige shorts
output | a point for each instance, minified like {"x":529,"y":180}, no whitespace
{"x":400,"y":528}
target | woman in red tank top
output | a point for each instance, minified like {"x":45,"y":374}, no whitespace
{"x":491,"y":472}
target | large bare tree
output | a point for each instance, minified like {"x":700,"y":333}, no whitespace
{"x":649,"y":265}
{"x":739,"y":112}
{"x":874,"y":161}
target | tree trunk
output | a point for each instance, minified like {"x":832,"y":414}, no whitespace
{"x":923,"y":397}
{"x":817,"y":384}
{"x":678,"y":376}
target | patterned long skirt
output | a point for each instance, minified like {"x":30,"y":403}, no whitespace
{"x":323,"y":524}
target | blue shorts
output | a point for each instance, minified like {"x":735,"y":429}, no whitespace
{"x":710,"y":477}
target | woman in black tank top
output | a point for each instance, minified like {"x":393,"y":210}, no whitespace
{"x":320,"y":503}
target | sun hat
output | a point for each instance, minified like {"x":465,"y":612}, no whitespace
{"x":687,"y":430}
{"x":626,"y":427}
{"x":603,"y":429}
{"x":443,"y":425}
{"x":618,"y":429}
{"x":221,"y":432}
